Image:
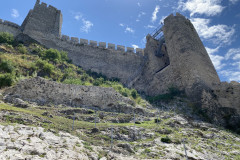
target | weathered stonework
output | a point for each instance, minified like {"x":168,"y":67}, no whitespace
{"x":43,"y":18}
{"x":45,"y":92}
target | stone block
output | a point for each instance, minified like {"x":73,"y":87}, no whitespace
{"x":139,"y":51}
{"x":102,"y":44}
{"x":65,"y":38}
{"x":44,"y":4}
{"x":93,"y":43}
{"x":74,"y":40}
{"x":121,"y":48}
{"x":130,"y":49}
{"x":84,"y":41}
{"x":111,"y":46}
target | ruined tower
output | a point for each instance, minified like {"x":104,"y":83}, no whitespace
{"x":184,"y":63}
{"x":43,"y":19}
{"x":188,"y":57}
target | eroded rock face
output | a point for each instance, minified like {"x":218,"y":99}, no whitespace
{"x":222,"y":104}
{"x":45,"y":92}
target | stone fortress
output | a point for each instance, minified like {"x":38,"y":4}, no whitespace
{"x":181,"y":61}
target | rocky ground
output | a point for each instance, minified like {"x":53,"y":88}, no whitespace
{"x":45,"y":132}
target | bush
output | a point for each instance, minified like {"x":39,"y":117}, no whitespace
{"x":64,"y":56}
{"x":22,"y":49}
{"x":6,"y":80}
{"x":166,"y":139}
{"x":52,"y":55}
{"x":134,"y":93}
{"x":98,"y":82}
{"x":6,"y":37}
{"x":6,"y":66}
{"x":44,"y":66}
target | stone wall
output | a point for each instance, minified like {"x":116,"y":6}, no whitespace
{"x":6,"y":26}
{"x":107,"y":61}
{"x":43,"y":18}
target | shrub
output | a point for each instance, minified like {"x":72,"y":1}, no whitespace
{"x":166,"y":139}
{"x":64,"y":56}
{"x":44,"y":66}
{"x":6,"y":66}
{"x":98,"y":82}
{"x":22,"y":49}
{"x":6,"y":80}
{"x":134,"y":93}
{"x":6,"y":37}
{"x":52,"y":55}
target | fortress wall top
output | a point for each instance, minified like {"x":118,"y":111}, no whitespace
{"x":93,"y":43}
{"x":121,"y":48}
{"x":84,"y":41}
{"x":6,"y":26}
{"x":102,"y":44}
{"x":111,"y":46}
{"x":74,"y":40}
{"x":130,"y":49}
{"x":8,"y":23}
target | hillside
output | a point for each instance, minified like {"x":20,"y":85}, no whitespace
{"x":138,"y":131}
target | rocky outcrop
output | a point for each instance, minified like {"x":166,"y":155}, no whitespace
{"x":222,"y":104}
{"x":24,"y":142}
{"x":45,"y":92}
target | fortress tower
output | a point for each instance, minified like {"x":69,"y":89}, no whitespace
{"x":184,"y":62}
{"x":44,"y":19}
{"x":189,"y":59}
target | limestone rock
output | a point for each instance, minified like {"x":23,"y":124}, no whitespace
{"x":45,"y":92}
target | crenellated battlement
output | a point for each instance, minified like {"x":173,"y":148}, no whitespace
{"x":103,"y":45}
{"x":45,"y":6}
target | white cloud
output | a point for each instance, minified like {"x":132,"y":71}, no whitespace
{"x":15,"y":13}
{"x":135,"y":46}
{"x":233,"y":1}
{"x":162,"y":19}
{"x":218,"y":34}
{"x":130,"y":30}
{"x":78,"y":16}
{"x":212,"y":50}
{"x":127,"y":29}
{"x":233,"y":52}
{"x":207,"y":7}
{"x":216,"y":59}
{"x":150,"y":26}
{"x":141,"y":14}
{"x":231,"y":75}
{"x":236,"y":64}
{"x":87,"y":25}
{"x":139,"y":5}
{"x":154,"y":14}
{"x":236,"y":57}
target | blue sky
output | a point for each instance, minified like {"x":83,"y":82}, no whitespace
{"x":127,"y":22}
